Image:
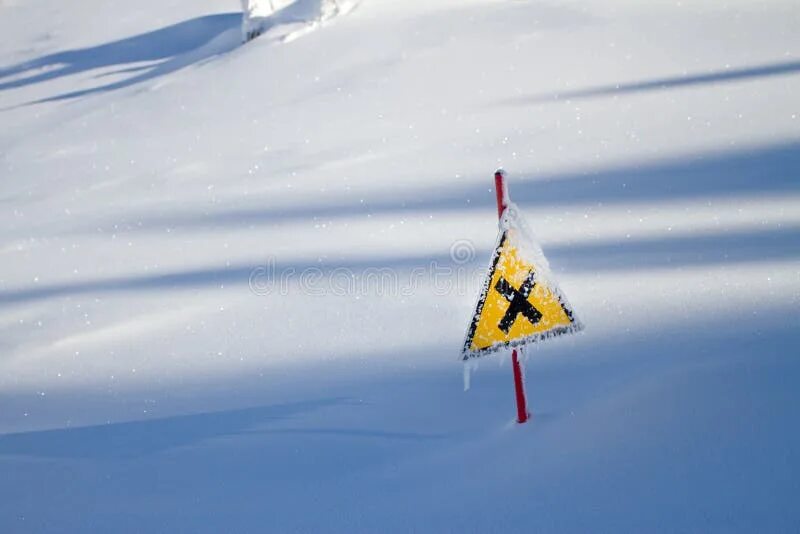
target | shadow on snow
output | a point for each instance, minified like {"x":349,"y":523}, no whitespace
{"x":772,"y":171}
{"x":661,"y":252}
{"x":757,"y":171}
{"x":140,"y":438}
{"x":657,"y":84}
{"x":165,"y":50}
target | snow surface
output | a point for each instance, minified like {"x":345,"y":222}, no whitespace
{"x":154,"y":172}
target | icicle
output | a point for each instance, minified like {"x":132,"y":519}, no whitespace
{"x":469,"y":367}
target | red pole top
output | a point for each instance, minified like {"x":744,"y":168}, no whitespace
{"x":501,"y":190}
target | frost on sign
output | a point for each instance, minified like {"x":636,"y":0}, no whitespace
{"x":520,"y":302}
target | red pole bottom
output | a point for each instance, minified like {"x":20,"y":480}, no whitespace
{"x":519,"y":388}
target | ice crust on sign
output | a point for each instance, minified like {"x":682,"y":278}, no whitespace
{"x":516,"y":240}
{"x":523,"y":239}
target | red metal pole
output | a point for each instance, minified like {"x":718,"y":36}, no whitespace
{"x":501,"y":192}
{"x":519,"y":388}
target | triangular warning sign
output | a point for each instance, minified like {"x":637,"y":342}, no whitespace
{"x":520,"y":303}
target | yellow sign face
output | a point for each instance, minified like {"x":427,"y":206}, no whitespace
{"x":517,"y":306}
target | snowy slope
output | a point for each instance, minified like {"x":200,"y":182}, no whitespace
{"x":232,"y":289}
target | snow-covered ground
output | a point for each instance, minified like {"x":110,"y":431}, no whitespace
{"x":235,"y":280}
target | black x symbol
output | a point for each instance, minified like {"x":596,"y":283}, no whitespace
{"x":519,"y":302}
